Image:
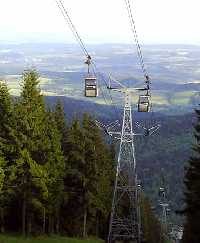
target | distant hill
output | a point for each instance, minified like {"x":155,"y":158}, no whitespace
{"x":174,"y":70}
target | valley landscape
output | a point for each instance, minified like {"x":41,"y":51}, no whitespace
{"x":175,"y":78}
{"x":174,"y":71}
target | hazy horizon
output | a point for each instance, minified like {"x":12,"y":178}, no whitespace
{"x":61,"y":42}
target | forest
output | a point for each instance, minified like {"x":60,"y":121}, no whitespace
{"x":59,"y":175}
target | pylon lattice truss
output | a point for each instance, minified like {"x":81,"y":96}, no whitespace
{"x":125,"y":218}
{"x":125,"y":214}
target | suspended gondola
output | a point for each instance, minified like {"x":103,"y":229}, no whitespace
{"x":144,"y":101}
{"x":91,"y":88}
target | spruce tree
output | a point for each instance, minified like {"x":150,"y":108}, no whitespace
{"x":7,"y":149}
{"x":60,"y":119}
{"x":55,"y":169}
{"x":99,"y":175}
{"x":74,"y":180}
{"x":90,"y":173}
{"x":6,"y":123}
{"x":32,"y":146}
{"x":192,"y":193}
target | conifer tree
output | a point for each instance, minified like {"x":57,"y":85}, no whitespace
{"x":32,"y":148}
{"x":7,"y":148}
{"x":2,"y":191}
{"x":99,"y":175}
{"x":6,"y":123}
{"x":55,"y":167}
{"x":60,"y":119}
{"x":74,"y":179}
{"x":192,"y":193}
{"x":90,"y":171}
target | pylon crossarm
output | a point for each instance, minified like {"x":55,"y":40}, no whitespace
{"x":154,"y":129}
{"x":114,"y":133}
{"x":148,"y":131}
{"x":111,"y":78}
{"x":107,"y":128}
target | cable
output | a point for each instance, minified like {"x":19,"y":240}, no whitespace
{"x":110,"y":96}
{"x":133,"y":28}
{"x":139,"y":50}
{"x":116,"y":108}
{"x":72,"y":27}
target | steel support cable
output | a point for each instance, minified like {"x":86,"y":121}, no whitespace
{"x":67,"y":17}
{"x":72,"y":26}
{"x":95,"y":71}
{"x":67,"y":20}
{"x":139,"y":50}
{"x":133,"y":29}
{"x":117,"y":112}
{"x":75,"y":33}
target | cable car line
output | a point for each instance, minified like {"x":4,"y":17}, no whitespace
{"x":139,"y":50}
{"x":72,"y":27}
{"x":81,"y":43}
{"x":91,"y":87}
{"x":142,"y":105}
{"x":89,"y":61}
{"x":133,"y":29}
{"x":117,"y":112}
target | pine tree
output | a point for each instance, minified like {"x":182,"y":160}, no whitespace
{"x":192,"y":193}
{"x":7,"y":149}
{"x":88,"y":179}
{"x":55,"y":168}
{"x":6,"y":123}
{"x":2,"y":191}
{"x":60,"y":119}
{"x":90,"y":171}
{"x":74,"y":178}
{"x":99,"y":168}
{"x":32,"y":145}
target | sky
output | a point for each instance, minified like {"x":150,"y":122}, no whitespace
{"x":101,"y":21}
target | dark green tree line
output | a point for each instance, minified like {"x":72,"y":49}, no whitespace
{"x":57,"y":175}
{"x":192,"y":191}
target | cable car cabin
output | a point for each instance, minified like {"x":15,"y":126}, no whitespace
{"x":144,"y":103}
{"x":91,"y":89}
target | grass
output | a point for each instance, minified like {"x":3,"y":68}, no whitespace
{"x":44,"y":239}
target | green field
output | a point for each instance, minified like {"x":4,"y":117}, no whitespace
{"x":42,"y":239}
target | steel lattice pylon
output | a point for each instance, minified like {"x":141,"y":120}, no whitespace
{"x":125,"y":214}
{"x":125,"y":221}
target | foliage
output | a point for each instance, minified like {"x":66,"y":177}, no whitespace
{"x":150,"y":224}
{"x":58,"y":176}
{"x":192,"y":192}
